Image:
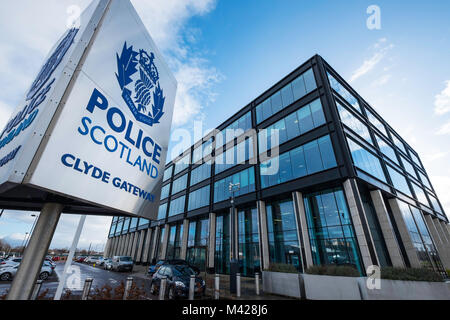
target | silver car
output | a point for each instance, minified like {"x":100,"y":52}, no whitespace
{"x":122,"y":263}
{"x":107,"y":264}
{"x":7,"y":272}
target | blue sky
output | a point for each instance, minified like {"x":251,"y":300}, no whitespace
{"x":225,"y":53}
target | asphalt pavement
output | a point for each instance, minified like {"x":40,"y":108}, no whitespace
{"x":77,"y":276}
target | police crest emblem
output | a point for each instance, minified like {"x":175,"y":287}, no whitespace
{"x":138,"y":78}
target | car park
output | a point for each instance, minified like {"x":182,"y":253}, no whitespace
{"x":178,"y":281}
{"x":122,"y":263}
{"x":153,"y":268}
{"x":7,"y":272}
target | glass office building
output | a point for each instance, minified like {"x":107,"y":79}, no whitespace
{"x":323,"y":180}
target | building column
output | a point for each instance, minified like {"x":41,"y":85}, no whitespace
{"x":263,"y":235}
{"x":392,"y":246}
{"x":438,"y":241}
{"x":302,"y":230}
{"x":140,"y":246}
{"x":404,"y":233}
{"x":445,"y":237}
{"x":107,"y":247}
{"x":146,"y":247}
{"x":212,"y":241}
{"x":113,"y":247}
{"x":134,"y":246}
{"x":184,"y":241}
{"x":130,"y":244}
{"x":120,"y":246}
{"x":116,"y":246}
{"x":360,"y":224}
{"x":152,"y":254}
{"x":125,"y":247}
{"x":444,"y":230}
{"x":165,"y":241}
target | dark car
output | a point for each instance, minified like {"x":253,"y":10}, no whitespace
{"x":178,"y":281}
{"x":154,"y":267}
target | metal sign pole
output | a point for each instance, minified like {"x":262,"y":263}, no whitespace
{"x":28,"y":272}
{"x":75,"y":241}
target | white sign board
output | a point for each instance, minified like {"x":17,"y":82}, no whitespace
{"x":107,"y":131}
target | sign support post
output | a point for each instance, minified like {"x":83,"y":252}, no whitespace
{"x":76,"y":238}
{"x":30,"y":267}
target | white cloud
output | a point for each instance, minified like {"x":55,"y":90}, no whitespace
{"x":194,"y":90}
{"x":382,"y":80}
{"x":434,"y":156}
{"x":441,"y":183}
{"x":443,"y":130}
{"x":369,"y":64}
{"x":442,"y":100}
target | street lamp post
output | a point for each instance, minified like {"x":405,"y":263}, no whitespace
{"x":23,"y":243}
{"x":32,"y":229}
{"x":234,"y":264}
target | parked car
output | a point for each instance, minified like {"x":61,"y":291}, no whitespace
{"x":56,"y":258}
{"x":50,"y":261}
{"x":122,"y":263}
{"x":178,"y":281}
{"x":92,"y":260}
{"x":11,"y":262}
{"x":153,"y":268}
{"x":101,"y":261}
{"x":8,"y":272}
{"x":80,"y":259}
{"x":107,"y":264}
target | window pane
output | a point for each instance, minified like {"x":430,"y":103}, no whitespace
{"x":365,"y":160}
{"x":344,"y":93}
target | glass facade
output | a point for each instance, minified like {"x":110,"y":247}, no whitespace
{"x":199,"y":198}
{"x":201,"y":173}
{"x":197,"y":243}
{"x":222,"y":253}
{"x":246,"y":178}
{"x":300,"y":122}
{"x":235,"y":155}
{"x":365,"y":160}
{"x":180,"y":184}
{"x":344,"y":93}
{"x":182,"y":164}
{"x":308,"y":159}
{"x":248,"y":242}
{"x":162,"y":212}
{"x":168,"y":173}
{"x":331,"y":233}
{"x":420,"y":237}
{"x":174,"y":243}
{"x":354,"y":123}
{"x":376,"y":122}
{"x":293,"y":91}
{"x":284,"y":245}
{"x":313,"y":148}
{"x":399,"y":181}
{"x":177,"y":206}
{"x":165,"y":191}
{"x":234,"y":130}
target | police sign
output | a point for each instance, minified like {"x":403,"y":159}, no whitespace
{"x":109,"y":97}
